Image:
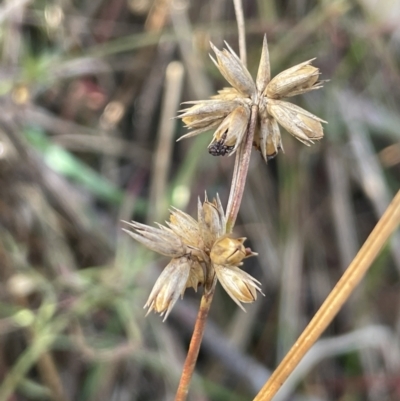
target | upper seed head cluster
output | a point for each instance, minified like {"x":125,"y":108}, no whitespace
{"x":229,"y":111}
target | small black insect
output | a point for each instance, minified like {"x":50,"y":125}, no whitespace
{"x":219,"y":149}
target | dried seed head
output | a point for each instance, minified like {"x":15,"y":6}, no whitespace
{"x":300,"y":123}
{"x":230,"y":109}
{"x":228,"y":251}
{"x":199,"y":249}
{"x":169,"y":286}
{"x":233,"y":70}
{"x":161,"y":240}
{"x":239,"y":285}
{"x":230,"y":133}
{"x":299,"y":79}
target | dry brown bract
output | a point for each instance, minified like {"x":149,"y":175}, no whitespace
{"x":200,"y":250}
{"x":229,"y":111}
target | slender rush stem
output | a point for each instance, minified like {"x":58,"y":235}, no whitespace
{"x":235,"y":198}
{"x":239,"y":177}
{"x":195,"y":343}
{"x":241,"y":30}
{"x":335,"y":300}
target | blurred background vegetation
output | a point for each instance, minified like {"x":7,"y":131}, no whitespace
{"x":88,"y":90}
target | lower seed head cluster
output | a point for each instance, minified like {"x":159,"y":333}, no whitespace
{"x":199,"y":250}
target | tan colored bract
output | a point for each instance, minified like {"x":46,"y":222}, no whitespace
{"x":199,"y":251}
{"x":229,"y":111}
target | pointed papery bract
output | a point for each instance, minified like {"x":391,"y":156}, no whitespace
{"x":208,"y":127}
{"x":227,"y":94}
{"x":228,"y":251}
{"x":296,"y":80}
{"x":211,"y":221}
{"x":186,"y":227}
{"x":169,"y":286}
{"x":161,"y":240}
{"x":264,"y":69}
{"x":196,"y":122}
{"x":229,"y":134}
{"x":296,"y":121}
{"x":234,"y":71}
{"x":239,"y":285}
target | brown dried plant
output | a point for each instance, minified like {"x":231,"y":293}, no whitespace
{"x":201,"y":252}
{"x":204,"y":252}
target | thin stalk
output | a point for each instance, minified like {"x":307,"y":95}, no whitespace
{"x":239,"y":179}
{"x":335,"y":300}
{"x":234,"y":179}
{"x":195,"y":342}
{"x":241,"y":30}
{"x":233,"y":197}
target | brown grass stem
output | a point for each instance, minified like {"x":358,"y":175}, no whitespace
{"x":241,"y":30}
{"x":335,"y":300}
{"x":240,"y":175}
{"x":195,"y":342}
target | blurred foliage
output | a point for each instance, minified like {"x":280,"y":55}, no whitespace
{"x":84,"y":95}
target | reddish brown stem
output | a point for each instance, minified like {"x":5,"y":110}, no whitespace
{"x":195,"y":342}
{"x":239,"y":176}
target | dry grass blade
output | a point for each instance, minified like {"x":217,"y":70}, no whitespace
{"x":338,"y":296}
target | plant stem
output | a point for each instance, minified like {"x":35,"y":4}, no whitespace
{"x":235,"y":198}
{"x":239,"y":176}
{"x":195,"y":343}
{"x":241,"y":30}
{"x":335,"y":300}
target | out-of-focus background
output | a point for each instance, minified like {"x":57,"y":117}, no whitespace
{"x":88,"y":90}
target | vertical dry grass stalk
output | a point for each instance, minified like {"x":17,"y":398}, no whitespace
{"x":388,"y":223}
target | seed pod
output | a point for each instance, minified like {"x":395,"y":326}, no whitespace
{"x":169,"y":286}
{"x":228,"y":251}
{"x":267,"y":138}
{"x":299,"y":79}
{"x":230,"y":133}
{"x":239,"y":285}
{"x":303,"y":125}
